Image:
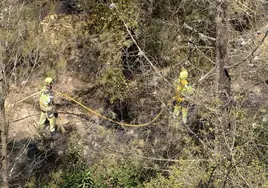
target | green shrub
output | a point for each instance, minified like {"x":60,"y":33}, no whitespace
{"x":114,"y":83}
{"x":78,"y":178}
{"x":127,"y":175}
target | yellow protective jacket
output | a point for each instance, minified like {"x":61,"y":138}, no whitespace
{"x":46,"y":100}
{"x":182,"y":89}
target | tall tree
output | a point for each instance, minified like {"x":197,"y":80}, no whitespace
{"x":11,"y":34}
{"x":223,"y":81}
{"x":3,"y":127}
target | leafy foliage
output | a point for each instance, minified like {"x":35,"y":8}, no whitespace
{"x":86,"y":41}
{"x":77,"y":173}
{"x":125,"y":174}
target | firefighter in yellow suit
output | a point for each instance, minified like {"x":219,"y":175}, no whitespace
{"x":47,"y":107}
{"x":182,"y":89}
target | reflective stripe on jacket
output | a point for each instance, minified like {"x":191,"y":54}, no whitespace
{"x":46,"y":99}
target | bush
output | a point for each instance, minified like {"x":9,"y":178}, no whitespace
{"x":127,"y":174}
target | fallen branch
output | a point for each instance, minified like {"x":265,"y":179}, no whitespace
{"x":249,"y":57}
{"x":141,"y":52}
{"x":201,"y":35}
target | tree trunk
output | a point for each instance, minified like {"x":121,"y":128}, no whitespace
{"x":222,"y":39}
{"x":222,"y":79}
{"x":3,"y":126}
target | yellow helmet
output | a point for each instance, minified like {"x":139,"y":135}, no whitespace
{"x":183,"y":74}
{"x":49,"y":80}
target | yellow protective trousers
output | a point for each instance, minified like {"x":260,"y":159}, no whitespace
{"x":179,"y":110}
{"x":52,"y":121}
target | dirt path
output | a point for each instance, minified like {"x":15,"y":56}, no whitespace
{"x":23,"y":118}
